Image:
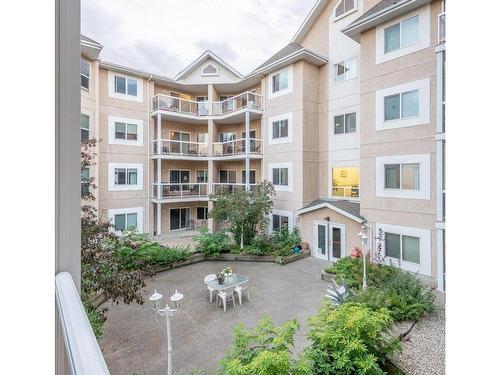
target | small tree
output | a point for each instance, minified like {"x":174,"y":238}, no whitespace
{"x":246,"y":211}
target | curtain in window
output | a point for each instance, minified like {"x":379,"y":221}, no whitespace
{"x":284,"y":176}
{"x":411,"y":176}
{"x":392,"y":245}
{"x":411,"y":249}
{"x":132,"y":176}
{"x":409,"y":104}
{"x":132,"y":132}
{"x":284,"y":128}
{"x":120,"y":130}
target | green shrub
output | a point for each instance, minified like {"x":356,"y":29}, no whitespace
{"x":261,"y":244}
{"x":352,"y":339}
{"x":96,"y":318}
{"x":151,"y":254}
{"x":282,"y":237}
{"x":264,"y":350}
{"x":212,"y":243}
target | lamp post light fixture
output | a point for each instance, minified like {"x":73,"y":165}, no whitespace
{"x":166,"y":313}
{"x":363,"y":239}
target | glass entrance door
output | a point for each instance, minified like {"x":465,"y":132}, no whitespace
{"x":179,"y":218}
{"x":336,"y":243}
{"x":321,"y":240}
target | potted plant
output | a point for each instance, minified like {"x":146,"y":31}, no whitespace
{"x":220,"y":278}
{"x":356,"y":252}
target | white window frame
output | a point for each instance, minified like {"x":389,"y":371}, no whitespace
{"x":424,"y":191}
{"x":130,"y":210}
{"x":346,"y":76}
{"x":205,"y":175}
{"x":112,"y":120}
{"x":345,"y":14}
{"x":243,"y":172}
{"x":88,"y":77}
{"x":288,"y":90}
{"x":289,"y":214}
{"x":424,"y":235}
{"x":111,"y":176}
{"x":217,"y":71}
{"x":90,"y":126}
{"x":179,"y":208}
{"x":424,"y":14}
{"x":344,"y":114}
{"x":205,"y":210}
{"x":113,"y":94}
{"x":288,"y":165}
{"x":275,"y":141}
{"x":424,"y":105}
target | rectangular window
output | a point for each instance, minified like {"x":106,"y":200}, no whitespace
{"x":402,"y":176}
{"x":345,"y":123}
{"x":280,"y":129}
{"x":85,"y":182}
{"x":280,"y":176}
{"x":401,"y":247}
{"x":346,"y":70}
{"x":401,"y":106}
{"x":345,"y":182}
{"x":402,"y":35}
{"x":202,"y":213}
{"x":124,"y":221}
{"x":202,"y":176}
{"x":227,"y":176}
{"x":280,"y":81}
{"x":84,"y":127}
{"x":179,"y":218}
{"x":84,"y":74}
{"x":126,"y":86}
{"x":280,"y":222}
{"x":125,"y":131}
{"x":243,"y":177}
{"x":125,"y":176}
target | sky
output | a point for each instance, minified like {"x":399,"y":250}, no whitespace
{"x":164,"y":36}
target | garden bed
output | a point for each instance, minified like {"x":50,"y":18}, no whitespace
{"x":195,"y":258}
{"x":293,"y":257}
{"x":241,"y":258}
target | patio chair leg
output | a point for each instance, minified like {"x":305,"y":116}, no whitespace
{"x":234,"y":304}
{"x":210,"y":296}
{"x":239,"y":296}
{"x":248,"y":295}
{"x":224,"y":302}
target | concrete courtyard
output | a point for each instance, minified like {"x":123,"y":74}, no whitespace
{"x":134,"y":341}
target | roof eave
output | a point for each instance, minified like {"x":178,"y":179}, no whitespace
{"x":309,"y":21}
{"x":200,"y":60}
{"x":291,"y":58}
{"x":355,"y":29}
{"x":320,"y":205}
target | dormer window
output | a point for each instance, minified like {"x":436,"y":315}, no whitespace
{"x":210,"y":70}
{"x":345,"y":7}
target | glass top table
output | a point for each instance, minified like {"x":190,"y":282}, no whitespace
{"x":229,"y":282}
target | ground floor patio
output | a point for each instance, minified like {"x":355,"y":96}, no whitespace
{"x":134,"y":341}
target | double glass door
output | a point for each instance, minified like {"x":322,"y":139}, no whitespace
{"x":179,"y":218}
{"x":328,"y":240}
{"x":178,"y":147}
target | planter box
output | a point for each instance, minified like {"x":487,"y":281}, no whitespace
{"x":326,"y":276}
{"x":242,"y":258}
{"x":196,"y":258}
{"x":293,"y":257}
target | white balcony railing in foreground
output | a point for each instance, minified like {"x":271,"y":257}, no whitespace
{"x":236,"y":147}
{"x":245,"y":100}
{"x":176,"y":190}
{"x":223,"y":187}
{"x":179,"y":105}
{"x":181,"y":148}
{"x":346,"y":191}
{"x":82,"y":350}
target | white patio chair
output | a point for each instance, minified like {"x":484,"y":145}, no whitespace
{"x":206,"y":280}
{"x":240,"y":289}
{"x":226,"y":295}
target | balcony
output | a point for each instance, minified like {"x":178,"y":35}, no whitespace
{"x":345,"y":192}
{"x":176,"y":192}
{"x":228,"y":187}
{"x":174,"y":149}
{"x":236,"y":148}
{"x":441,"y":28}
{"x":220,"y":110}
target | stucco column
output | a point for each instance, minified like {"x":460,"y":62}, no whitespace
{"x":247,"y":150}
{"x":158,"y":220}
{"x":158,"y":134}
{"x":210,"y":171}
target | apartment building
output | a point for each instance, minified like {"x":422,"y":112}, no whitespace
{"x":346,"y":121}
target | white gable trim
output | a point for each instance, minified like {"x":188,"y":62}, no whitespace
{"x":200,"y":60}
{"x":331,"y":207}
{"x":310,"y":20}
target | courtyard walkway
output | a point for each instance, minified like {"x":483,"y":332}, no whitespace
{"x":134,"y":342}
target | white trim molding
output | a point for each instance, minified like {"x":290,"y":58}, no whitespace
{"x":424,"y":41}
{"x":215,"y":74}
{"x":129,"y":210}
{"x":331,"y":207}
{"x":275,"y":141}
{"x":424,"y":190}
{"x":288,"y":214}
{"x":424,"y":235}
{"x":288,"y":165}
{"x":288,"y":90}
{"x":424,"y":102}
{"x":111,"y":176}
{"x":113,"y":94}
{"x":112,"y":120}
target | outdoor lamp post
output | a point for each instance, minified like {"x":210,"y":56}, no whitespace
{"x":363,"y":239}
{"x":166,"y":313}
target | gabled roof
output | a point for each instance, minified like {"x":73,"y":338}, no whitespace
{"x":85,"y":39}
{"x":311,"y":18}
{"x":287,"y":55}
{"x":89,"y":47}
{"x":347,"y":208}
{"x":381,"y":12}
{"x":207,"y":55}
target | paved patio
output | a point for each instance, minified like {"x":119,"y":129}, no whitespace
{"x":134,"y":341}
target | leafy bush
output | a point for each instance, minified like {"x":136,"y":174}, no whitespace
{"x":264,"y":350}
{"x":282,"y":237}
{"x":96,"y":317}
{"x":261,"y":244}
{"x":352,"y":339}
{"x":212,"y":243}
{"x":402,"y":293}
{"x":151,"y":254}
